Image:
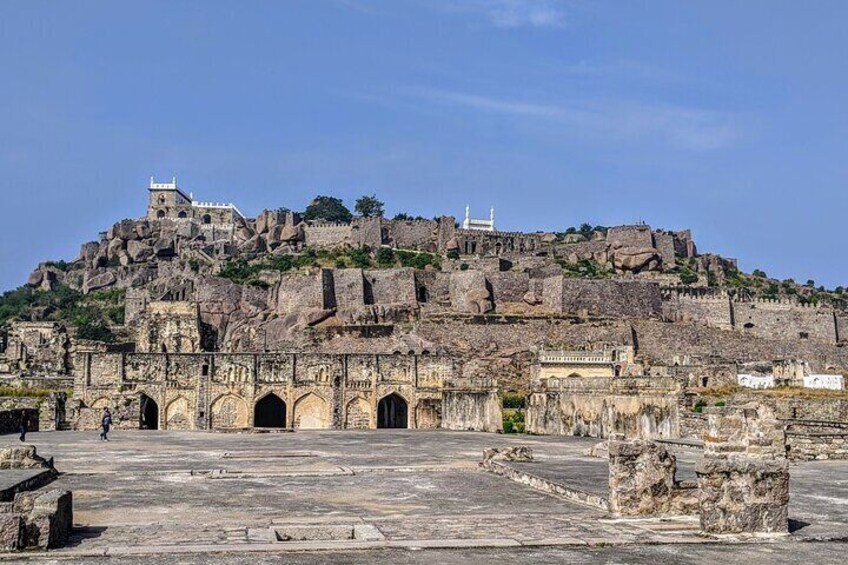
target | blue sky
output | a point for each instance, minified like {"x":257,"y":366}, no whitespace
{"x":730,"y":118}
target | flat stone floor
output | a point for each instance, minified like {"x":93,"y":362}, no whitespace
{"x":194,"y":497}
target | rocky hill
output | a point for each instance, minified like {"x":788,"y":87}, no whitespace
{"x":282,"y":281}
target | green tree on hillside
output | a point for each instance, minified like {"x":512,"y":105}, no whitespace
{"x":370,"y":207}
{"x":327,"y":208}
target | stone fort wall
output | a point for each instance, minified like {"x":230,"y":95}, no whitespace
{"x":320,"y":391}
{"x":766,"y":318}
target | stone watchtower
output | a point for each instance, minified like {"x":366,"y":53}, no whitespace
{"x":167,"y":201}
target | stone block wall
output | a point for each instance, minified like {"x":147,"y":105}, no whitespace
{"x":169,"y":327}
{"x":37,"y":520}
{"x":641,"y":478}
{"x":508,"y":286}
{"x":468,"y":290}
{"x":367,"y":232}
{"x":710,"y":309}
{"x":743,"y":496}
{"x":636,"y":408}
{"x":297,"y":291}
{"x":750,"y":431}
{"x":602,"y":298}
{"x":776,"y":319}
{"x":223,"y":390}
{"x":50,"y":412}
{"x":328,"y":235}
{"x":349,"y":288}
{"x":630,"y":236}
{"x":664,"y":242}
{"x":472,"y":410}
{"x":816,"y":444}
{"x":412,"y":234}
{"x":393,"y":286}
{"x":842,"y":326}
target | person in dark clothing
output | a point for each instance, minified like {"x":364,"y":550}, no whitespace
{"x":23,"y":429}
{"x":106,"y":423}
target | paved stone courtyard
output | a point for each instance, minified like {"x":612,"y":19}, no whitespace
{"x":190,"y":497}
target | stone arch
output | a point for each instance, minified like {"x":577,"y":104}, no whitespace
{"x":269,"y":412}
{"x":229,"y":411}
{"x":207,"y":219}
{"x":101,"y":403}
{"x":182,"y":214}
{"x":160,"y":214}
{"x":311,"y":412}
{"x":392,"y":412}
{"x":177,"y":415}
{"x":358,"y":414}
{"x":575,"y":376}
{"x":148,"y":413}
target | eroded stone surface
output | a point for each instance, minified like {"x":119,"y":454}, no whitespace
{"x":641,"y":478}
{"x":743,"y":496}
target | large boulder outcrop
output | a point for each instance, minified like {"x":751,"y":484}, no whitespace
{"x":98,"y":281}
{"x":139,"y":251}
{"x":165,"y":247}
{"x":636,"y":259}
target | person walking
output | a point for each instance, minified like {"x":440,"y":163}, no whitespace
{"x":106,"y":423}
{"x":23,"y":429}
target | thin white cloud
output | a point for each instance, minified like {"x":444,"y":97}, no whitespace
{"x":511,"y":13}
{"x":684,"y":127}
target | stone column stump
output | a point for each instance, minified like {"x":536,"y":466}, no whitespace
{"x":743,"y":495}
{"x":641,"y":478}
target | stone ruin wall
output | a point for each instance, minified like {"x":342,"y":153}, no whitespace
{"x":477,"y":242}
{"x":766,"y":318}
{"x":602,"y":298}
{"x":168,"y":327}
{"x":219,"y":391}
{"x":420,"y":235}
{"x":702,"y":306}
{"x":663,"y":342}
{"x":320,"y":234}
{"x":781,"y":319}
{"x":598,"y":407}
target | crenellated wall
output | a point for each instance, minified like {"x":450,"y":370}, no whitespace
{"x":705,"y":306}
{"x":328,"y":234}
{"x":783,"y":318}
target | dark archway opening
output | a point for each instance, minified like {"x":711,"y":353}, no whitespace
{"x":392,"y":412}
{"x":207,"y":219}
{"x":148,"y":413}
{"x":270,"y":412}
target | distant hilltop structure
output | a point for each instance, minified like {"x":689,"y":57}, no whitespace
{"x":169,"y":202}
{"x":480,"y":225}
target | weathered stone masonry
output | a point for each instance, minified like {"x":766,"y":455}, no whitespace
{"x":320,"y":391}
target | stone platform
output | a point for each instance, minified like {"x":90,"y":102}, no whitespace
{"x":174,"y":497}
